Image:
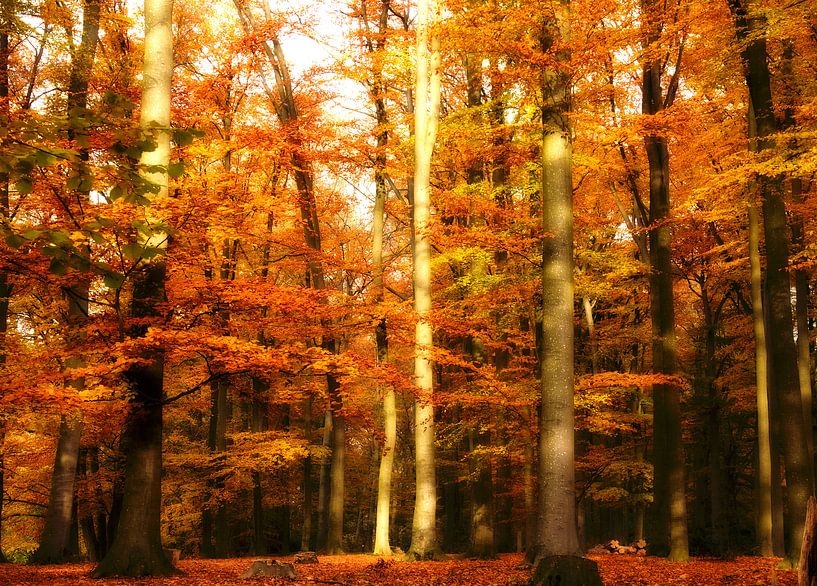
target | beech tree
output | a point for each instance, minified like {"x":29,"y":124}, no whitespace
{"x":426,"y":120}
{"x":137,"y":548}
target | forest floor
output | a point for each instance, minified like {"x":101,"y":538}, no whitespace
{"x":361,"y":569}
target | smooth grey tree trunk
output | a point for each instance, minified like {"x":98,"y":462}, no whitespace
{"x":137,"y":548}
{"x":424,"y":543}
{"x":556,"y":513}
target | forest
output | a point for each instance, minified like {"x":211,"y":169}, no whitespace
{"x":446,"y":291}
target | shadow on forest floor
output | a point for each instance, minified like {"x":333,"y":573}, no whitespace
{"x":361,"y":569}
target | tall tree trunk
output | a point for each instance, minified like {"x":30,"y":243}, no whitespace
{"x":556,"y":512}
{"x":137,"y":547}
{"x":334,"y":536}
{"x":6,"y":13}
{"x":323,"y":486}
{"x":750,"y":27}
{"x":382,"y":545}
{"x":306,"y":527}
{"x":259,"y":422}
{"x":764,"y":453}
{"x":282,"y":98}
{"x":668,"y":450}
{"x":426,"y":119}
{"x":54,"y":545}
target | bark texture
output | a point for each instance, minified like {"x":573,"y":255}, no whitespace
{"x":137,"y":548}
{"x":556,"y":513}
{"x":426,"y":116}
{"x":668,"y":451}
{"x":750,"y":28}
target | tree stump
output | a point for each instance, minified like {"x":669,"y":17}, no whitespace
{"x":270,"y":569}
{"x":807,"y":570}
{"x":566,"y":570}
{"x":173,"y":555}
{"x":306,"y":557}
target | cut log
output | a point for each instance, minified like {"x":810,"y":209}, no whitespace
{"x":566,"y":570}
{"x":807,"y":570}
{"x":270,"y":569}
{"x":306,"y":557}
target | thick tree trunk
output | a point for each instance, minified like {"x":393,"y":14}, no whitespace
{"x":482,"y":499}
{"x":54,"y":540}
{"x":426,"y":116}
{"x":556,"y":512}
{"x":53,"y":548}
{"x":668,"y":451}
{"x":137,"y":547}
{"x":750,"y":29}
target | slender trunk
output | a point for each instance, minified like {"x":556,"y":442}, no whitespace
{"x":381,"y":542}
{"x":426,"y":117}
{"x":750,"y":28}
{"x":530,"y":499}
{"x":764,"y":455}
{"x":258,"y":423}
{"x":5,"y":286}
{"x":323,"y":487}
{"x":382,"y":545}
{"x":801,"y":287}
{"x":334,"y":536}
{"x":482,"y":499}
{"x":306,"y":526}
{"x":137,"y":547}
{"x":86,"y":523}
{"x":282,"y":98}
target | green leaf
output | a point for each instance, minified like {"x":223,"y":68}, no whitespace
{"x":113,"y":280}
{"x":176,"y":169}
{"x":133,"y":251}
{"x":183,"y":138}
{"x":57,"y":266}
{"x":32,"y":234}
{"x":14,"y":240}
{"x":97,"y":237}
{"x":25,"y":185}
{"x":116,"y":192}
{"x":73,"y":183}
{"x":152,"y":252}
{"x":44,"y":158}
{"x":59,"y":238}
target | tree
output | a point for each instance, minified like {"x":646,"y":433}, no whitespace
{"x":556,"y":511}
{"x":668,"y":452}
{"x":137,"y":548}
{"x":426,"y":120}
{"x":750,"y":30}
{"x":54,"y":540}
